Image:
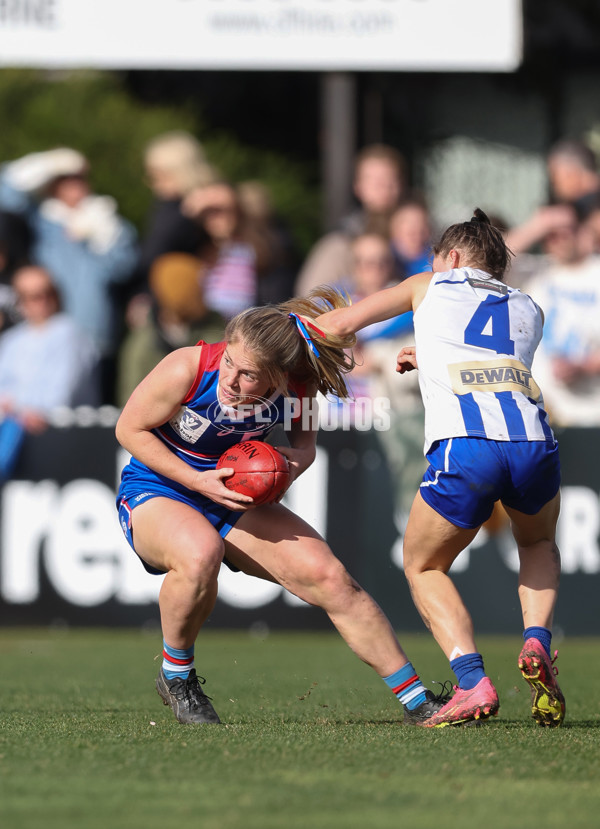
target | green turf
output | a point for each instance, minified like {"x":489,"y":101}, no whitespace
{"x":312,"y":739}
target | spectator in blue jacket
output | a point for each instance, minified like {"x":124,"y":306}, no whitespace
{"x":79,"y":237}
{"x":46,"y":362}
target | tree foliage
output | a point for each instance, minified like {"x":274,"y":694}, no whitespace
{"x":94,"y":113}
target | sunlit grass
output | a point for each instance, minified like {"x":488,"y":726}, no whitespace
{"x":310,"y":738}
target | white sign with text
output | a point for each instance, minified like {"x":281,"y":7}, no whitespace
{"x":385,"y":35}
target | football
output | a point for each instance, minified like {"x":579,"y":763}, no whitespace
{"x":259,"y":470}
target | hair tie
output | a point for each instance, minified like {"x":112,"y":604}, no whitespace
{"x":301,"y":326}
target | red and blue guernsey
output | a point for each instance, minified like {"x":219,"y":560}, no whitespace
{"x":199,"y":433}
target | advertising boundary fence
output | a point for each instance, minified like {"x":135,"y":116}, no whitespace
{"x":64,"y":561}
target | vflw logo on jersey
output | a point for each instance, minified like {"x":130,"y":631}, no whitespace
{"x":189,"y":425}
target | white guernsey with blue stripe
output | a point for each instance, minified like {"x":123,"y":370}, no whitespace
{"x":475,"y":339}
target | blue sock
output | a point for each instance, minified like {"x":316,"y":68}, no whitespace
{"x":407,"y":686}
{"x":543,"y":635}
{"x":468,"y":669}
{"x":177,"y":662}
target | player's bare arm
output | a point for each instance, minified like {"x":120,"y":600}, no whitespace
{"x":303,"y":442}
{"x":383,"y":305}
{"x":157,"y":398}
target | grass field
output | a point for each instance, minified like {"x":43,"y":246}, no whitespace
{"x":312,"y":739}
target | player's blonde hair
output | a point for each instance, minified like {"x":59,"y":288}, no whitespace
{"x":284,"y":341}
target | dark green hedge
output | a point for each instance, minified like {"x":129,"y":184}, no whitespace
{"x":94,"y":113}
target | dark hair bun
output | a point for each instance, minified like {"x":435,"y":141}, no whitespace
{"x":480,"y":216}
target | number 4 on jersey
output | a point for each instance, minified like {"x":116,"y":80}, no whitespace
{"x":489,"y":327}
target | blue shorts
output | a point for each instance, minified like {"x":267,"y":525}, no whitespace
{"x":136,"y":489}
{"x":466,"y":476}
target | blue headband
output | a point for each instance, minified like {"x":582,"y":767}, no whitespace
{"x":304,"y":333}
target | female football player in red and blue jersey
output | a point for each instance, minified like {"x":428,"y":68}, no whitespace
{"x":183,"y":521}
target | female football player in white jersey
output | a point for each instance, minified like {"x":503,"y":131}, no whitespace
{"x":181,"y":519}
{"x":487,"y":439}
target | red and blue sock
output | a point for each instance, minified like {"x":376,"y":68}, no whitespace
{"x":407,"y":686}
{"x":468,"y":669}
{"x":543,"y":635}
{"x":177,"y":662}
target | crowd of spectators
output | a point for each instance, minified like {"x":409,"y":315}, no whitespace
{"x":557,"y":262}
{"x":88,"y":306}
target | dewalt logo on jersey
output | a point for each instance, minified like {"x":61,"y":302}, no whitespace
{"x":492,"y":376}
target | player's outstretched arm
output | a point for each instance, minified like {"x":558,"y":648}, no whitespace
{"x":303,"y":439}
{"x":380,"y":306}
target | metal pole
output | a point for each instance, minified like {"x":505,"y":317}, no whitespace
{"x":338,"y":144}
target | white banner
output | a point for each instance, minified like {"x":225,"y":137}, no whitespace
{"x":413,"y":35}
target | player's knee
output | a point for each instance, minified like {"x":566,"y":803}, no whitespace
{"x":315,"y":573}
{"x":417,"y":562}
{"x":410,"y":563}
{"x":413,"y":568}
{"x":329,"y":580}
{"x":201,"y":564}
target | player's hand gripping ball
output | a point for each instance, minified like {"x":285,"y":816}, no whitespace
{"x":259,"y":470}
